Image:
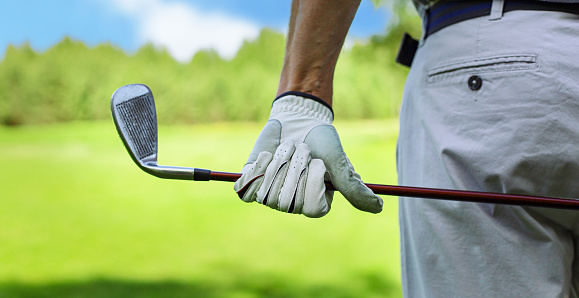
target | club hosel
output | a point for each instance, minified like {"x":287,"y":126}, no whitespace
{"x":181,"y":173}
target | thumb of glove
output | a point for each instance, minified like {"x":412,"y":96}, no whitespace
{"x":325,"y":145}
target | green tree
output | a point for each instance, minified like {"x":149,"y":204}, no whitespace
{"x":71,"y":82}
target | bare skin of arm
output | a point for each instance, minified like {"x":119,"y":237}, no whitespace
{"x":317,"y":30}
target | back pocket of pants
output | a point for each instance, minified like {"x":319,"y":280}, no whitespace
{"x":493,"y":64}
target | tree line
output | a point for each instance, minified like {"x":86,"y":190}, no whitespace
{"x":74,"y":82}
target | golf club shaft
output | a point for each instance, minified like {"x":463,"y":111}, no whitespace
{"x":445,"y":194}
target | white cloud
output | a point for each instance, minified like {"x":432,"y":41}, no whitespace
{"x":184,"y":30}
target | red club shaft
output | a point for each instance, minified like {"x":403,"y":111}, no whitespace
{"x":447,"y":194}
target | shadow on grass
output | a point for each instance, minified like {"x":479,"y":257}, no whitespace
{"x":374,"y":286}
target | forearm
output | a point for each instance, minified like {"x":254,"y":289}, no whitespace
{"x":317,"y":31}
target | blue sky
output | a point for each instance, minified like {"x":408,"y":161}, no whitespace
{"x":181,"y":26}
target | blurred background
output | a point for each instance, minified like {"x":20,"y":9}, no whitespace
{"x":79,"y":219}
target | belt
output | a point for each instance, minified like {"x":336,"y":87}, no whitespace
{"x":446,"y":13}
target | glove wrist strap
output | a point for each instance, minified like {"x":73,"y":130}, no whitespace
{"x":306,"y":95}
{"x":304,"y":104}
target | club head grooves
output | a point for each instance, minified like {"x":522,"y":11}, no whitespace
{"x":133,"y":110}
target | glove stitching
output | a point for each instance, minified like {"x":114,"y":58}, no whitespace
{"x":277,"y":127}
{"x":284,"y":164}
{"x":302,"y":181}
{"x":241,"y":192}
{"x":303,"y":107}
{"x":305,"y":95}
{"x":296,"y":189}
{"x":343,"y":156}
{"x":303,"y":140}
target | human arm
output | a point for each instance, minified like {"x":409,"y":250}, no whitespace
{"x":317,"y":30}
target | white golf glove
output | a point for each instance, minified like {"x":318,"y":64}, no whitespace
{"x":296,"y":150}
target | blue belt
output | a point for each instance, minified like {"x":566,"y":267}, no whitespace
{"x":446,"y":13}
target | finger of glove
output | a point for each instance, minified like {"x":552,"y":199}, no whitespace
{"x":268,"y":140}
{"x":297,"y":168}
{"x":298,"y":201}
{"x":251,"y":179}
{"x":325,"y":145}
{"x":359,"y":195}
{"x":316,"y":199}
{"x":274,"y":175}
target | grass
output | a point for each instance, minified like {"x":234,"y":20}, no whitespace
{"x":79,"y":219}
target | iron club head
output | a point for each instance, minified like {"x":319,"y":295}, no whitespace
{"x":134,"y":114}
{"x":135,"y":117}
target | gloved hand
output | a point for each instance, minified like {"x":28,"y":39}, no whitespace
{"x":296,"y":150}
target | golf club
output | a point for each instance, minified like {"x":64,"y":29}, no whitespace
{"x":134,"y":114}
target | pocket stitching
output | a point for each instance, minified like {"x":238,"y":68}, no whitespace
{"x":478,"y":66}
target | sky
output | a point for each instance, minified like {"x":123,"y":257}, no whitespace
{"x":183,"y":27}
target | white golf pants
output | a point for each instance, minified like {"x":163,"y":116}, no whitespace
{"x":492,"y":106}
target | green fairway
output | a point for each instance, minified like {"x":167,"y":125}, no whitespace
{"x":79,"y":219}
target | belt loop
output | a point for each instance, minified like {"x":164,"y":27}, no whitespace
{"x":408,"y":48}
{"x":425,"y":23}
{"x":497,"y":10}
